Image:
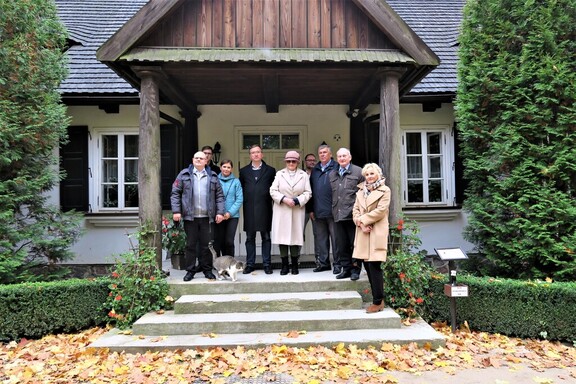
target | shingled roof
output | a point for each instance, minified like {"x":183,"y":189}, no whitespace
{"x":437,"y":22}
{"x":91,"y":22}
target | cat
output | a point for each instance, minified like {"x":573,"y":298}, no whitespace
{"x":225,"y":265}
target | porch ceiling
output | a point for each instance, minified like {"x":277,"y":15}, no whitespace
{"x":191,"y":77}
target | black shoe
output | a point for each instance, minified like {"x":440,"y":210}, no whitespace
{"x":268,"y":270}
{"x":248,"y":270}
{"x":354,"y":276}
{"x":209,"y":276}
{"x":344,"y":274}
{"x":321,"y":269}
{"x":337,"y":270}
{"x":189,"y":276}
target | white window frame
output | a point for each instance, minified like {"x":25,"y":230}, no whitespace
{"x":96,"y":199}
{"x":447,"y":166}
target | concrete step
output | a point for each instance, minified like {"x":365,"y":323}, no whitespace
{"x":170,"y":323}
{"x":267,"y":302}
{"x":420,"y":333}
{"x":258,"y":282}
{"x":308,"y":320}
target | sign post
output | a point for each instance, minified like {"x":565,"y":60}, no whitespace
{"x":453,"y":289}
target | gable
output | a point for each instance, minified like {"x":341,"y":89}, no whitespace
{"x":199,"y":45}
{"x":328,"y":24}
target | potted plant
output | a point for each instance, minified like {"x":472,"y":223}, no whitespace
{"x":174,"y":242}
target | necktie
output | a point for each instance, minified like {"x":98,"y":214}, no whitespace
{"x":342,"y":170}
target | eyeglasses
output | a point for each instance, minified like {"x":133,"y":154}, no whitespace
{"x":291,"y":161}
{"x":310,"y":159}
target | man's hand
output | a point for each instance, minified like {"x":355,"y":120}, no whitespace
{"x":176,"y":216}
{"x":219,"y":219}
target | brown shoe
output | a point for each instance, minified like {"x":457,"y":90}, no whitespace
{"x":373,"y":308}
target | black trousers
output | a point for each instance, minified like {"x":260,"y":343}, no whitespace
{"x":345,"y":233}
{"x":376,"y":279}
{"x":225,"y":234}
{"x":198,"y":232}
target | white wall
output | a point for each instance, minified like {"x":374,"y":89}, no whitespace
{"x":217,"y":123}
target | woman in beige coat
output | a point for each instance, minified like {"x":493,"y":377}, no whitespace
{"x":370,"y":214}
{"x":290,"y":191}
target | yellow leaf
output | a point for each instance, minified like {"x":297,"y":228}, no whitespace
{"x":122,"y":370}
{"x":387,"y":347}
{"x":340,"y":349}
{"x":344,"y":372}
{"x":160,"y":312}
{"x":543,"y":380}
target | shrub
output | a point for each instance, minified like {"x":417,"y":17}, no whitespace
{"x":138,"y":286}
{"x":515,"y":113}
{"x":33,"y":310}
{"x":520,"y":308}
{"x":406,"y":272}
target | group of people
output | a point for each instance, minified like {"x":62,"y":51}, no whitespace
{"x":347,"y":206}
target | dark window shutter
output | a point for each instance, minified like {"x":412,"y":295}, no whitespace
{"x":74,"y":162}
{"x":461,"y":182}
{"x":168,"y":162}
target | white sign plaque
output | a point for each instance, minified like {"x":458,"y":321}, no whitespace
{"x":450,"y":253}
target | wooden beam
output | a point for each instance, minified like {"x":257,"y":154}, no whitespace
{"x":389,"y":154}
{"x":149,"y":181}
{"x":399,"y":33}
{"x":168,"y":87}
{"x":271,"y":92}
{"x":135,"y":29}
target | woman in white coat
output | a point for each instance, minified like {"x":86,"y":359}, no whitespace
{"x":370,"y":214}
{"x":290,"y":192}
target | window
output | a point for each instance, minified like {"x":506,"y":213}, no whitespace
{"x":272,"y":141}
{"x":427,"y":167}
{"x":114,"y":169}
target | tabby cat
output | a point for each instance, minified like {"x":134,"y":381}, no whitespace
{"x":225,"y":265}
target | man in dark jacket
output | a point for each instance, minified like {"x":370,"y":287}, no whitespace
{"x":320,"y":211}
{"x":344,"y":181}
{"x":256,"y":179}
{"x":197,"y":199}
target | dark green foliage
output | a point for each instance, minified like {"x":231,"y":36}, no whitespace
{"x":511,"y":307}
{"x":33,"y":310}
{"x":406,"y":272}
{"x":138,"y":285}
{"x":32,"y":126}
{"x":516,"y":108}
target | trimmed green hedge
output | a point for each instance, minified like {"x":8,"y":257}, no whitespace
{"x":510,"y":307}
{"x":33,"y":310}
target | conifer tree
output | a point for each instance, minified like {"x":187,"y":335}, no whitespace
{"x":516,"y":110}
{"x":32,"y":125}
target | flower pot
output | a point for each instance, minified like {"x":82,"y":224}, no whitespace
{"x":178,"y":261}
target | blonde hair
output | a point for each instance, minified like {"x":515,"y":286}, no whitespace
{"x":372,"y":167}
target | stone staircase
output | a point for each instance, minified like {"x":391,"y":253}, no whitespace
{"x":260,"y":310}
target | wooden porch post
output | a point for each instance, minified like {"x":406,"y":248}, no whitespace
{"x":149,"y":161}
{"x":391,"y":137}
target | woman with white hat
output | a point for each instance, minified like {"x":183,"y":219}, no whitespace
{"x":290,"y":192}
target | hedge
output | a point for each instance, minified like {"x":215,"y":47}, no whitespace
{"x":33,"y":310}
{"x":510,"y":307}
{"x":525,"y":309}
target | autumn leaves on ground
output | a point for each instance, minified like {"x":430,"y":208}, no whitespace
{"x":67,"y":359}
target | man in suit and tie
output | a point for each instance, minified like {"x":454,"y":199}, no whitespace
{"x":256,"y":179}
